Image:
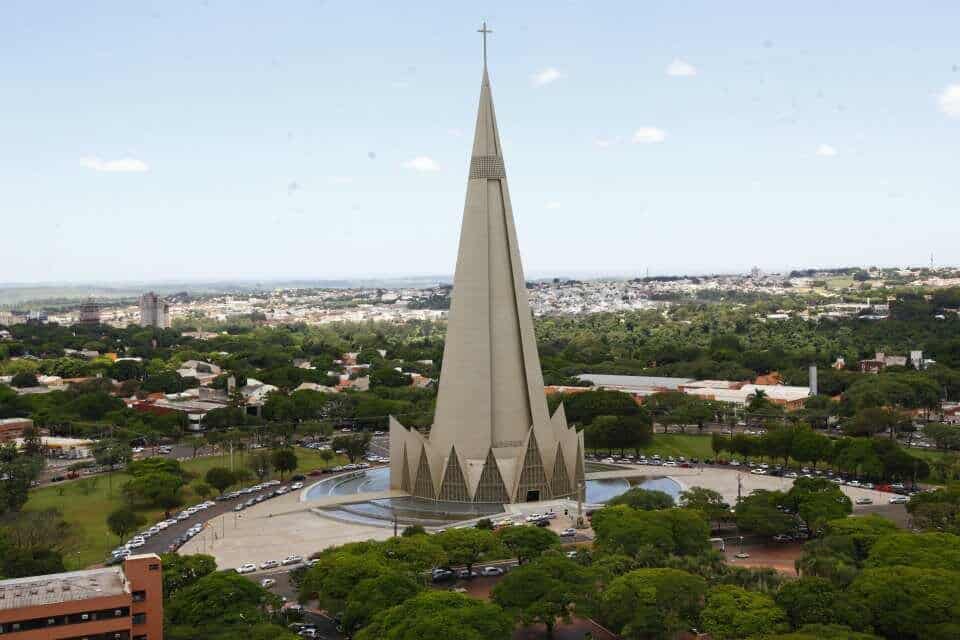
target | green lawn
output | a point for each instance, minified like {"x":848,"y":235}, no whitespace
{"x":676,"y":444}
{"x":86,"y":509}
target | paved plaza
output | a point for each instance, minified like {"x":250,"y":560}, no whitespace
{"x":289,"y":525}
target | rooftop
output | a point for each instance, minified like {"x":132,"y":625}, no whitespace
{"x":35,"y":591}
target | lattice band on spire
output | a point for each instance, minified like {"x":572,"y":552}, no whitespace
{"x":490,"y":167}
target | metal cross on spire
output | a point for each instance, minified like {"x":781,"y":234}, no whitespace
{"x":483,"y":30}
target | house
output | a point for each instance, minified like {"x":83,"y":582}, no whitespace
{"x":204,"y":372}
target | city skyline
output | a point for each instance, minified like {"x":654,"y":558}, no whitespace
{"x":640,"y":140}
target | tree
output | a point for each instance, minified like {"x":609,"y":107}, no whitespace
{"x":809,"y":600}
{"x":336,"y":574}
{"x":758,"y":513}
{"x":374,"y":595}
{"x":355,"y":446}
{"x":156,"y":488}
{"x":817,"y":501}
{"x":123,"y":520}
{"x":652,"y":603}
{"x":527,"y":542}
{"x":707,"y":501}
{"x":413,"y":530}
{"x":644,"y":499}
{"x":906,"y":602}
{"x":18,"y":472}
{"x":196,"y":443}
{"x":24,"y":379}
{"x":440,"y":614}
{"x":732,"y":613}
{"x":220,"y":478}
{"x":388,"y":377}
{"x":219,"y":599}
{"x":921,"y":550}
{"x":466,"y":546}
{"x":825,"y":632}
{"x":621,"y":529}
{"x":181,"y":571}
{"x":284,"y":460}
{"x":543,"y":590}
{"x":110,"y":453}
{"x":259,"y":462}
{"x":202,"y":490}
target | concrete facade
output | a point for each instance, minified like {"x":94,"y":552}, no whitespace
{"x":493,"y":439}
{"x":113,"y":603}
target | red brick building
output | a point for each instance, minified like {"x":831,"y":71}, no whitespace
{"x":113,"y":603}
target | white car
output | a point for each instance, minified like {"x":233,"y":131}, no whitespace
{"x":899,"y":500}
{"x":296,"y":485}
{"x":247,"y":568}
{"x":266,"y":583}
{"x":568,"y":532}
{"x":162,"y":525}
{"x":292,"y":560}
{"x":269,"y":564}
{"x":533,"y":517}
{"x":491,"y":571}
{"x":863,"y":500}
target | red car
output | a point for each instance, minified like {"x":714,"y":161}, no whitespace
{"x":316,"y":472}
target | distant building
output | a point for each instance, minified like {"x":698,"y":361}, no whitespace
{"x":881,"y":361}
{"x":90,"y":312}
{"x":154,"y":312}
{"x":638,"y":386}
{"x":112,"y":603}
{"x":13,"y":428}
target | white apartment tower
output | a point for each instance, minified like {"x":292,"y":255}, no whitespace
{"x":154,"y":312}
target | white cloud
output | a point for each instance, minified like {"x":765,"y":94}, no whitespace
{"x":423,"y":164}
{"x":123,"y":165}
{"x":826,"y":151}
{"x":456,"y":133}
{"x":949,"y":101}
{"x":649,"y":135}
{"x":606,"y":143}
{"x":553,"y":205}
{"x":339,"y":179}
{"x":681,"y":68}
{"x":545,"y":77}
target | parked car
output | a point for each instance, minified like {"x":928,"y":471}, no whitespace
{"x":269,"y":564}
{"x":266,"y":583}
{"x":491,"y":571}
{"x":863,"y":500}
{"x":442,"y":575}
{"x":568,"y":533}
{"x":782,"y":538}
{"x":899,"y":500}
{"x":292,"y":560}
{"x":248,"y":567}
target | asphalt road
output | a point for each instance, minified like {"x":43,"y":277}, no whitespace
{"x":160,"y":542}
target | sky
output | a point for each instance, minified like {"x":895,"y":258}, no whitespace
{"x":228,"y":139}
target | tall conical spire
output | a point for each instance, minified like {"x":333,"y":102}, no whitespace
{"x":491,"y":400}
{"x":491,"y":387}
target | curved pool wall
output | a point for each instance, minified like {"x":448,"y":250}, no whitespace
{"x":434,"y":514}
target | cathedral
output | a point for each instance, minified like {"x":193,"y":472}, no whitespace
{"x":493,"y":439}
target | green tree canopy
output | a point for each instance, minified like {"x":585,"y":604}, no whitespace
{"x":733,"y":613}
{"x":440,"y":614}
{"x":652,"y":603}
{"x":181,"y":571}
{"x":527,"y":542}
{"x":544,"y":590}
{"x":644,"y":499}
